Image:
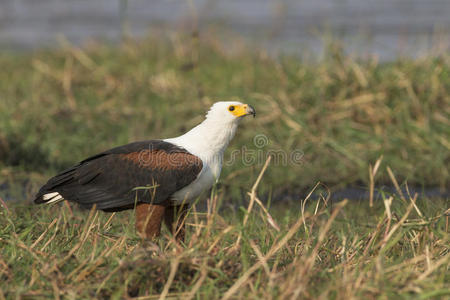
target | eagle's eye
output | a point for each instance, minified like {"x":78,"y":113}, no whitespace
{"x":231,"y":108}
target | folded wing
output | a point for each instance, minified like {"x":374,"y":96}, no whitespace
{"x":118,"y":179}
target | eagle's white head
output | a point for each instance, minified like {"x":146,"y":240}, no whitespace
{"x":225,"y":112}
{"x":212,"y":136}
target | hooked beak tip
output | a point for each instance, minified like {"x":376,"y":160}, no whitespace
{"x":251,"y":111}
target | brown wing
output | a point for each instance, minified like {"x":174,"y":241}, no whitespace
{"x":119,"y":178}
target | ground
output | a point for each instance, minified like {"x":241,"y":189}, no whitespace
{"x":339,"y":251}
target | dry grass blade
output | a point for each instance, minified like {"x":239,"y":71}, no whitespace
{"x":434,"y":267}
{"x":84,"y":235}
{"x":4,"y":205}
{"x":173,"y":270}
{"x":275,"y":248}
{"x":397,"y":187}
{"x":51,"y":238}
{"x":44,"y":233}
{"x":198,"y":283}
{"x":252,"y":201}
{"x":372,"y":172}
{"x":88,"y":228}
{"x":324,"y":230}
{"x":109,"y":220}
{"x":270,"y":220}
{"x":107,"y":278}
{"x":260,"y":256}
{"x":56,"y":291}
{"x":218,"y":238}
{"x":92,"y":265}
{"x":398,"y":224}
{"x":303,"y":204}
{"x":415,"y":206}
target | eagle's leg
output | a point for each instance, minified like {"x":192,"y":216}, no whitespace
{"x":175,"y":220}
{"x":148,"y":219}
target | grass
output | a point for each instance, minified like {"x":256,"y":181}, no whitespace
{"x":348,"y":122}
{"x":397,"y":249}
{"x":339,"y":114}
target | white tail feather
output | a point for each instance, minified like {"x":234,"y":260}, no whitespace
{"x":52,"y":197}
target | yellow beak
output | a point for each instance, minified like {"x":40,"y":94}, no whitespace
{"x":244,"y":110}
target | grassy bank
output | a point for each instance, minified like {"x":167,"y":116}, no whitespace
{"x":60,"y":106}
{"x":398,"y":249}
{"x":328,"y":121}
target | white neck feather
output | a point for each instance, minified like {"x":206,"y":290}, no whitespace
{"x":208,"y":139}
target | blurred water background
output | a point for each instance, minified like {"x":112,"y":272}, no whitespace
{"x":387,"y":29}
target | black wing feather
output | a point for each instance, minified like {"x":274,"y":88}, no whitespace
{"x":109,"y":179}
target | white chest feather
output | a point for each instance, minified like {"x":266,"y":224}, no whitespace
{"x":207,"y":141}
{"x":207,"y":177}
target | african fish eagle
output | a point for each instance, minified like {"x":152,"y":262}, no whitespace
{"x":175,"y":172}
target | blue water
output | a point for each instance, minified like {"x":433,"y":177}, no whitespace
{"x":384,"y":28}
